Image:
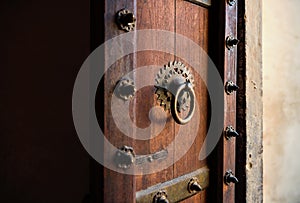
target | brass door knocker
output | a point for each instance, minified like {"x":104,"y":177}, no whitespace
{"x":174,"y":87}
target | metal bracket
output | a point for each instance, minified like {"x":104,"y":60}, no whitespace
{"x":140,"y":159}
{"x":205,"y":3}
{"x":177,"y":189}
{"x":125,"y":157}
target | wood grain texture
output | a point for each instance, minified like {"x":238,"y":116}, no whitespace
{"x":153,"y":15}
{"x":192,"y":22}
{"x":254,"y":111}
{"x":112,"y":191}
{"x":224,"y":24}
{"x":230,"y":72}
{"x":250,"y":147}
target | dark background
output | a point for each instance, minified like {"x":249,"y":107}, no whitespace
{"x":43,"y":44}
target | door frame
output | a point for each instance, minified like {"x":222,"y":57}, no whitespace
{"x":249,"y":151}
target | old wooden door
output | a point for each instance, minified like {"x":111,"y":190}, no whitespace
{"x":208,"y":24}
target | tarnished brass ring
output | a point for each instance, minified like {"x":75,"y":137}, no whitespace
{"x":183,"y":87}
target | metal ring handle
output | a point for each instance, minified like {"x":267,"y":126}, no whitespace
{"x":174,"y":103}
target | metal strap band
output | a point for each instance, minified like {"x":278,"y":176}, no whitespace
{"x":201,"y":2}
{"x":140,"y":159}
{"x":176,"y":189}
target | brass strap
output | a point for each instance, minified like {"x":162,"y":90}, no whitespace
{"x":201,"y":2}
{"x":176,"y":189}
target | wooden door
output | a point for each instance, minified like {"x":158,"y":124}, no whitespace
{"x":207,"y":24}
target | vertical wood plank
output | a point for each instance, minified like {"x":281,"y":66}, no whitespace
{"x":117,"y":187}
{"x":192,"y":22}
{"x":230,"y":72}
{"x":254,"y":110}
{"x":249,"y":115}
{"x":224,"y":22}
{"x":156,"y":15}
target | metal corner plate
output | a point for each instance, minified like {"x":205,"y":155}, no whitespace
{"x":206,"y":3}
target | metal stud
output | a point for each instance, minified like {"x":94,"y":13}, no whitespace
{"x":194,"y":185}
{"x":231,"y":2}
{"x":126,"y":20}
{"x":230,"y":132}
{"x":161,"y":197}
{"x":231,"y":42}
{"x":231,"y":87}
{"x":230,"y":178}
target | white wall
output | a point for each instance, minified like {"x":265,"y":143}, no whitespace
{"x":281,"y":66}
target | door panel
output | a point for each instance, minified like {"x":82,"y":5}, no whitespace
{"x":200,"y":24}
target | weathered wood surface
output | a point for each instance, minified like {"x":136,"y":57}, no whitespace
{"x":230,"y":72}
{"x":113,"y":191}
{"x":153,"y":15}
{"x":223,"y":159}
{"x":250,"y":112}
{"x":192,"y":21}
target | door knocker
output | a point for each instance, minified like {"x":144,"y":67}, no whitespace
{"x":174,"y":87}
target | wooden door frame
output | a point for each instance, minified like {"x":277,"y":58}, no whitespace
{"x":249,"y":146}
{"x":249,"y":150}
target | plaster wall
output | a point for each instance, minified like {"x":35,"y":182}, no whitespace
{"x":281,"y":80}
